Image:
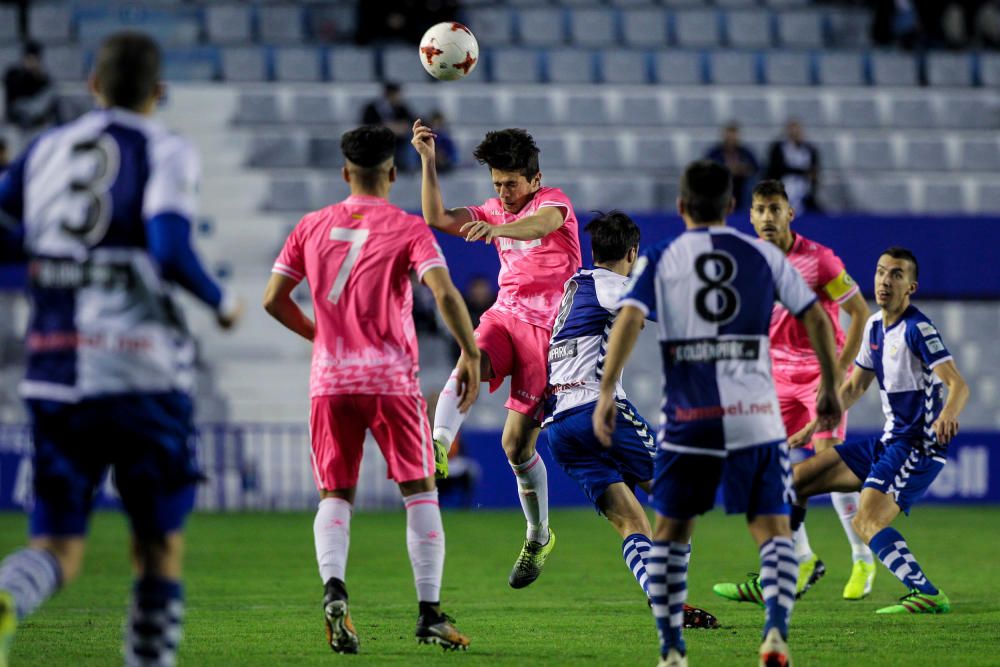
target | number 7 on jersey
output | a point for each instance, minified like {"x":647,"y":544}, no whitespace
{"x":357,"y":238}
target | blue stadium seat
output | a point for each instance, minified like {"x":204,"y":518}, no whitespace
{"x":531,"y":109}
{"x":288,"y":194}
{"x":331,"y":23}
{"x":642,"y":110}
{"x":850,"y":28}
{"x":943,"y":198}
{"x":632,"y":193}
{"x":325,"y":153}
{"x":989,"y":70}
{"x":752,"y":110}
{"x":255,"y":108}
{"x":283,"y":150}
{"x":310,"y":108}
{"x":49,"y":23}
{"x":877,"y":196}
{"x":872,"y":154}
{"x":969,"y":112}
{"x":695,"y":110}
{"x":8,"y":25}
{"x":739,"y":68}
{"x":553,"y":151}
{"x":788,"y":68}
{"x":655,"y":152}
{"x":921,"y":154}
{"x":350,"y":63}
{"x":244,"y":63}
{"x":801,"y":29}
{"x":681,"y":68}
{"x":841,"y":68}
{"x":788,"y":4}
{"x":542,"y":26}
{"x":601,"y":152}
{"x":631,"y":3}
{"x":750,"y":29}
{"x":299,"y":64}
{"x":627,"y":67}
{"x":65,"y":63}
{"x":401,"y":64}
{"x":493,"y":26}
{"x":911,"y":112}
{"x":979,"y":155}
{"x":515,"y":65}
{"x":697,"y":28}
{"x":280,"y":24}
{"x":586,"y":109}
{"x":949,"y":69}
{"x":481,"y":107}
{"x":891,"y":68}
{"x":829,"y":153}
{"x":736,"y":4}
{"x":353,"y":104}
{"x":571,"y":66}
{"x":228,"y":24}
{"x":988,"y":196}
{"x":644,"y":27}
{"x":197,"y":64}
{"x":174,"y":27}
{"x":593,"y":27}
{"x":807,"y":108}
{"x":857,"y":112}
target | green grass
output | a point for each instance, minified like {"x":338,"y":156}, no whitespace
{"x":253,"y":596}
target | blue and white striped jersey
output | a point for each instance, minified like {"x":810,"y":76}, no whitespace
{"x":580,"y":339}
{"x":713,"y":290}
{"x":103,"y":321}
{"x":903,"y":358}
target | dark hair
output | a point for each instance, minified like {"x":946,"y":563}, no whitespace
{"x":769,"y":188}
{"x":612,"y":235}
{"x":367,"y":147}
{"x":390,"y":87}
{"x":509,"y":150}
{"x":706,"y":190}
{"x":128,"y":69}
{"x":899,"y":252}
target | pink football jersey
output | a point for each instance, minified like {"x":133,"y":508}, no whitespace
{"x":357,"y":256}
{"x":533,"y":273}
{"x":826,"y":275}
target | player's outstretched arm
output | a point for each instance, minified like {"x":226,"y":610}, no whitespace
{"x":817,"y":324}
{"x":529,"y":228}
{"x":857,"y":309}
{"x":437,"y":216}
{"x":456,"y":318}
{"x":279,"y":304}
{"x":621,"y":341}
{"x":946,"y":425}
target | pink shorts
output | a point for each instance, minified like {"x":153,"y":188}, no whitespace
{"x":399,"y":425}
{"x":797,"y":397}
{"x":520,"y":350}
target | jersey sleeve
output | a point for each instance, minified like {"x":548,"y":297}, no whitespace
{"x":554,"y":198}
{"x":425,"y":253}
{"x":925,"y":342}
{"x":640,"y":291}
{"x":12,"y":211}
{"x":291,"y":259}
{"x":835,"y":283}
{"x":173,"y":179}
{"x":864,"y":359}
{"x":478,"y":213}
{"x":791,"y":288}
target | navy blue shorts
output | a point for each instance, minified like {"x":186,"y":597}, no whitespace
{"x":595,"y":467}
{"x":898,"y":468}
{"x":755,"y":480}
{"x":148,"y":441}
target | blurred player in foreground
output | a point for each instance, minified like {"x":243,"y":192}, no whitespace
{"x":535,"y":233}
{"x":903,"y":350}
{"x":357,"y":256}
{"x":712,"y":290}
{"x":576,"y":365}
{"x":103,"y":208}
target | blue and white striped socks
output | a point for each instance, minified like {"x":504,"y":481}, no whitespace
{"x":779,"y":572}
{"x":667,"y":569}
{"x":891,"y":549}
{"x":635,"y":551}
{"x":31,"y":576}
{"x":153,"y":627}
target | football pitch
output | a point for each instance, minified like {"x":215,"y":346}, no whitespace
{"x":253,"y":595}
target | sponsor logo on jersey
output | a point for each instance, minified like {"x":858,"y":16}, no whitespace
{"x":927,"y":329}
{"x":711,"y":349}
{"x":934,"y":345}
{"x":562,"y":350}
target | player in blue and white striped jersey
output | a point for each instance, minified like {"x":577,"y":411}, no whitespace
{"x":902,"y":349}
{"x":102,"y":209}
{"x":576,"y":365}
{"x":713,"y":290}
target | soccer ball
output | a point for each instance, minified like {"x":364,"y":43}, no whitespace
{"x":449,"y":51}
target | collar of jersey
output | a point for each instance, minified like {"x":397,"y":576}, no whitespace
{"x":371,"y":200}
{"x":895,"y":324}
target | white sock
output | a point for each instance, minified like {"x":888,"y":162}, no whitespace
{"x":332,"y":531}
{"x":803,"y":551}
{"x":846,"y":505}
{"x":447,"y":418}
{"x":533,"y":488}
{"x":425,"y":543}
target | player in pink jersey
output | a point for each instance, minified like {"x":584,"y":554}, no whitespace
{"x":534,"y":230}
{"x":796,"y":373}
{"x":357,"y":256}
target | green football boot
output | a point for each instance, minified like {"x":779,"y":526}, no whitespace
{"x":916,"y":602}
{"x":529,"y":562}
{"x":748,"y":591}
{"x":440,"y":459}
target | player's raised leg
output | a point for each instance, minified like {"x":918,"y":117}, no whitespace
{"x":448,"y":416}
{"x":520,"y":433}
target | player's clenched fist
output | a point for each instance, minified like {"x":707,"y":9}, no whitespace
{"x":604,"y":419}
{"x":479,"y":231}
{"x":423,"y":140}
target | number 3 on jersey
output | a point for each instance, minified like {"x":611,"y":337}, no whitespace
{"x":357,"y":238}
{"x":716,"y":302}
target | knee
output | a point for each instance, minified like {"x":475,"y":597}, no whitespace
{"x":517,"y":446}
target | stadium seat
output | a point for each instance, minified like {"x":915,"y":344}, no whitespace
{"x":989,"y":70}
{"x":841,"y":68}
{"x":829,"y":154}
{"x":855,"y":112}
{"x":541,"y":26}
{"x":530,"y":109}
{"x":943,"y":198}
{"x":678,"y":68}
{"x":49,"y":23}
{"x":257,"y":108}
{"x":891,"y":68}
{"x":493,"y":26}
{"x":655,"y":152}
{"x":65,"y":63}
{"x":738,"y":68}
{"x":979,"y":155}
{"x":988,"y":198}
{"x":806,"y":108}
{"x":850,"y":28}
{"x":600,"y":152}
{"x":570,"y":66}
{"x":312,"y":108}
{"x":331,"y":23}
{"x":787,"y":4}
{"x":553,"y":151}
{"x":970,"y":112}
{"x":877,"y":196}
{"x":749,"y":29}
{"x":280,"y":24}
{"x":586,"y":109}
{"x":788,"y":68}
{"x":623,"y":67}
{"x":244,"y":63}
{"x":228,"y":24}
{"x":911,"y":113}
{"x":8,"y":25}
{"x":288,"y":194}
{"x":753,"y":110}
{"x":484,"y":108}
{"x":736,"y":4}
{"x":400,"y":64}
{"x":593,"y":27}
{"x":277,"y":150}
{"x":298,"y":64}
{"x":695,"y":110}
{"x":872,"y":154}
{"x":644,"y":27}
{"x":347,"y":63}
{"x":631,"y":3}
{"x":630,"y":193}
{"x":949,"y":69}
{"x":920,"y":154}
{"x":196,"y":64}
{"x":325,"y":153}
{"x":641,"y":110}
{"x":696,"y":28}
{"x":515,"y":65}
{"x":801,"y":29}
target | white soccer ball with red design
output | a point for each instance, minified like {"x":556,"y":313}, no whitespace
{"x":449,"y":51}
